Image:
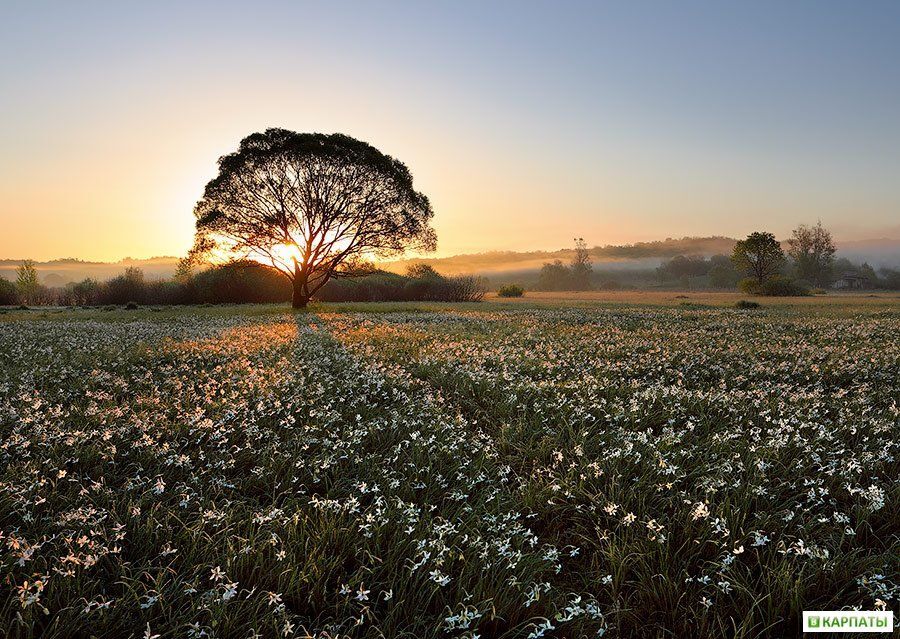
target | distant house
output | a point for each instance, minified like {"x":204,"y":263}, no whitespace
{"x":851,"y":281}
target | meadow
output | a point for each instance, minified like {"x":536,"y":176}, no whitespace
{"x":615,"y":466}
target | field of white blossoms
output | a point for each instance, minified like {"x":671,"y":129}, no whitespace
{"x":497,"y":471}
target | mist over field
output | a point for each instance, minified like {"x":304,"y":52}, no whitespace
{"x":499,"y":265}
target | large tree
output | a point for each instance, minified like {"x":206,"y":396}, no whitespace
{"x":760,"y":255}
{"x":812,"y":249}
{"x":311,"y":205}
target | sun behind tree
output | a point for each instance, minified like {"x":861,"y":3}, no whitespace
{"x":313,"y":206}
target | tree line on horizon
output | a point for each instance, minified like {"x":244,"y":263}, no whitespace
{"x":236,"y":283}
{"x":759,"y":265}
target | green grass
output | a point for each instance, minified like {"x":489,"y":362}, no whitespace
{"x":429,"y":470}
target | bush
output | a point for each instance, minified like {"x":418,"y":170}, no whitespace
{"x":465,"y":288}
{"x":249,"y":282}
{"x":377,"y":287}
{"x":779,"y":286}
{"x":746,"y":304}
{"x":776,"y":286}
{"x":128,"y":287}
{"x":554,"y":276}
{"x":511,"y":290}
{"x":239,"y":283}
{"x":8,"y":293}
{"x":132,"y":306}
{"x":421,"y":284}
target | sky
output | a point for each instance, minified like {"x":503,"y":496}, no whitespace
{"x":526,"y":123}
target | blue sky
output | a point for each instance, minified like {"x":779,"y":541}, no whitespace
{"x":527,"y":123}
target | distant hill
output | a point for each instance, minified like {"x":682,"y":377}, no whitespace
{"x":639,"y":254}
{"x":61,"y":272}
{"x":880,"y":252}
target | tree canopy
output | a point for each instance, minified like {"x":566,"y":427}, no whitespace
{"x":812,"y":248}
{"x":314,"y":206}
{"x":760,"y":255}
{"x":27,"y":281}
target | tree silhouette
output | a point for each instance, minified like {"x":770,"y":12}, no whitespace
{"x":27,"y":282}
{"x":581,"y":266}
{"x":760,"y":255}
{"x":311,"y":205}
{"x":812,"y":248}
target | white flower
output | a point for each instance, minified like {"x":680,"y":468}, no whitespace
{"x":701,"y":511}
{"x":230,"y":591}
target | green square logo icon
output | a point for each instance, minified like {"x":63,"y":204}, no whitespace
{"x":813,"y":622}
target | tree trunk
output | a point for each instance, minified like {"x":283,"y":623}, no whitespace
{"x":301,"y":291}
{"x":299,"y":299}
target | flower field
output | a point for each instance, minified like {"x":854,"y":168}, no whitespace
{"x":499,"y":471}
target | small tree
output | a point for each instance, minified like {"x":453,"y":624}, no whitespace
{"x":812,"y":249}
{"x":87,"y":291}
{"x":184,"y":270}
{"x":581,"y":266}
{"x":313,"y":206}
{"x":760,"y":256}
{"x":128,"y":287}
{"x":425,"y":283}
{"x":27,"y":282}
{"x":8,"y":293}
{"x":554,"y":276}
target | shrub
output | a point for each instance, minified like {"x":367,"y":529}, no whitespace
{"x":380,"y":286}
{"x":554,"y":276}
{"x":511,"y":290}
{"x":8,"y":294}
{"x":779,"y":286}
{"x":746,"y":304}
{"x":86,"y":291}
{"x":132,"y":306}
{"x":775,"y":286}
{"x":128,"y":287}
{"x":818,"y":291}
{"x":238,"y":283}
{"x":750,"y":286}
{"x":421,"y":284}
{"x":465,"y":288}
